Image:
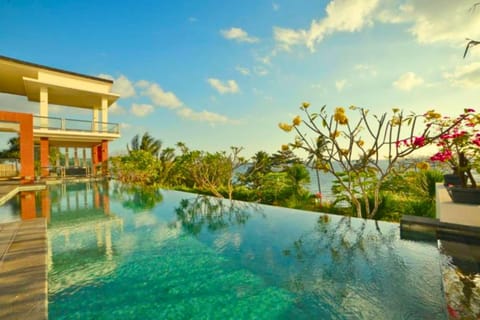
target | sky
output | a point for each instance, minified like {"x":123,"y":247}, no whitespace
{"x":215,"y":74}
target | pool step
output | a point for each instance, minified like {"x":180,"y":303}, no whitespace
{"x":423,"y":228}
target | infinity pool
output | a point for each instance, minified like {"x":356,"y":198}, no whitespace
{"x":136,"y":254}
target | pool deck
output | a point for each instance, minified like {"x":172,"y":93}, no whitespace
{"x":23,"y":270}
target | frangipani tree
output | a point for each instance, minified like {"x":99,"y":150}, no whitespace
{"x":352,"y":150}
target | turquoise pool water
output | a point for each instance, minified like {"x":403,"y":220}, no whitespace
{"x":125,"y":254}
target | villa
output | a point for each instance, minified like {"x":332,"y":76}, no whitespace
{"x":47,"y":86}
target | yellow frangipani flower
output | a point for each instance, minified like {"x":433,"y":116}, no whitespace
{"x":340,"y":116}
{"x":285,"y":127}
{"x":395,"y":121}
{"x":297,"y":120}
{"x":322,"y":166}
{"x":285,"y":147}
{"x":431,"y":114}
{"x":344,"y":152}
{"x":335,"y":134}
{"x":423,"y":165}
{"x":395,"y":110}
{"x":305,"y":105}
{"x":360,"y":143}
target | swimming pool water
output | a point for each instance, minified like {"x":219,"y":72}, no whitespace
{"x":119,"y":254}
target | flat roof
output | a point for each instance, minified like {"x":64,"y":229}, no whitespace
{"x":53,"y":69}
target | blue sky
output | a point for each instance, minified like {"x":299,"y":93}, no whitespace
{"x":216,"y":74}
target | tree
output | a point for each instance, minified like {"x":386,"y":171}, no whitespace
{"x":260,"y":165}
{"x":140,"y":167}
{"x":146,"y":143}
{"x":284,"y":157}
{"x":299,"y":178}
{"x":13,"y":150}
{"x":210,"y":171}
{"x":352,"y":150}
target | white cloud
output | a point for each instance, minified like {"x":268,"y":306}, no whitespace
{"x":435,"y":21}
{"x":162,"y":98}
{"x":408,"y":81}
{"x":287,"y":38}
{"x":224,"y":87}
{"x":141,"y":110}
{"x":105,"y":76}
{"x":124,"y":125}
{"x":142,"y":83}
{"x":192,"y":19}
{"x":122,"y":85}
{"x":158,"y":96}
{"x":275,"y":6}
{"x":244,"y":71}
{"x":341,"y":16}
{"x":340,"y":84}
{"x":467,"y":76}
{"x":116,"y":109}
{"x":366,"y":69}
{"x":204,"y":116}
{"x":238,"y":34}
{"x":260,"y":71}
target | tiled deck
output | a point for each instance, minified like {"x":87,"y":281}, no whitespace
{"x":23,"y":270}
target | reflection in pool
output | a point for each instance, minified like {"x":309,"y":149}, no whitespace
{"x":117,"y":254}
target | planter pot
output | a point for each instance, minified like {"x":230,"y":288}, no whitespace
{"x":451,"y":180}
{"x":465,"y":195}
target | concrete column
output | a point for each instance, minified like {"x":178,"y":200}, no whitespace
{"x":95,"y":120}
{"x":94,"y":160}
{"x":27,"y":170}
{"x":44,"y":154}
{"x":43,"y":107}
{"x":67,"y":159}
{"x":57,"y":159}
{"x":104,"y":157}
{"x":84,"y":154}
{"x":27,"y":205}
{"x":76,"y":163}
{"x":104,"y":114}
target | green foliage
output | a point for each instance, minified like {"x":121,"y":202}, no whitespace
{"x":146,"y":143}
{"x":13,"y":150}
{"x":212,"y":213}
{"x":410,"y":192}
{"x":137,"y":198}
{"x":140,"y":167}
{"x":208,"y":171}
{"x":274,"y":188}
{"x":260,"y":165}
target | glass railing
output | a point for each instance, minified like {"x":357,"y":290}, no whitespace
{"x":54,"y":123}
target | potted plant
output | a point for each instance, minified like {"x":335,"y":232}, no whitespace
{"x":459,"y":147}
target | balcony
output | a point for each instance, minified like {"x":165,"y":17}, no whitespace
{"x":62,"y":130}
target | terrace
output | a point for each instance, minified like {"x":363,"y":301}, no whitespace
{"x":47,"y":85}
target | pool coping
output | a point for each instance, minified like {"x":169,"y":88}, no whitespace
{"x":7,"y":192}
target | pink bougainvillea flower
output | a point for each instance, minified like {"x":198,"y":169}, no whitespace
{"x":419,"y":141}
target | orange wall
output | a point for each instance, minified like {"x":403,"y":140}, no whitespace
{"x":25,"y":120}
{"x":44,"y":153}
